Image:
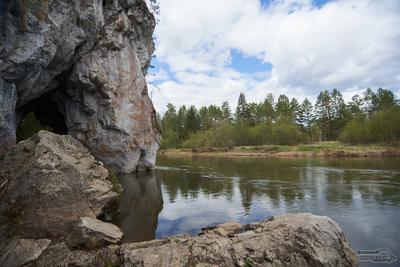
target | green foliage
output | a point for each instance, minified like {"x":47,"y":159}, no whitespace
{"x":286,"y":133}
{"x":373,"y":117}
{"x":29,"y":126}
{"x":242,"y":110}
{"x":380,"y":127}
{"x":113,"y":178}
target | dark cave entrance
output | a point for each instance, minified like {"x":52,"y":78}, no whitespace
{"x":42,"y":113}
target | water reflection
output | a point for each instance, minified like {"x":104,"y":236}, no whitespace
{"x":362,"y":195}
{"x":140,"y":205}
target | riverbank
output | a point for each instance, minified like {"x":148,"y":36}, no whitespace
{"x":57,"y":204}
{"x":321,"y":149}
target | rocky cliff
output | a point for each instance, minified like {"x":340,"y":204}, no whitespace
{"x":80,"y":66}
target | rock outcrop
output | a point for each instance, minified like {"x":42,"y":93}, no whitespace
{"x":48,"y":182}
{"x":288,"y":240}
{"x":80,"y":66}
{"x":53,"y":192}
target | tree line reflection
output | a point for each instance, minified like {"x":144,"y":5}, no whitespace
{"x":275,"y":185}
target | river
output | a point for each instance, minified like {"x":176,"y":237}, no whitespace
{"x":185,"y":194}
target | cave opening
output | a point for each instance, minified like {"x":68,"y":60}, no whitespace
{"x":42,"y":113}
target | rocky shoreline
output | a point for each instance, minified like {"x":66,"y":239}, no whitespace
{"x":80,"y":67}
{"x":55,"y":194}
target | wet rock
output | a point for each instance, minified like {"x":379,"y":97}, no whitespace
{"x":80,"y":67}
{"x":91,"y":233}
{"x":22,"y":251}
{"x":47,"y":183}
{"x":288,"y":240}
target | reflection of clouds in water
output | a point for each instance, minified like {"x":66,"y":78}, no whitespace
{"x":183,"y":206}
{"x":189,"y":215}
{"x":361,"y":195}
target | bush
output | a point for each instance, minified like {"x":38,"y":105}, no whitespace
{"x":286,"y":133}
{"x":220,"y":136}
{"x":381,"y":127}
{"x":170,"y":139}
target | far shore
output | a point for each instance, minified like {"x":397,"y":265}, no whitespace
{"x":323,"y":149}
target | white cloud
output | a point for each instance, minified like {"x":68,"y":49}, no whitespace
{"x":346,"y":44}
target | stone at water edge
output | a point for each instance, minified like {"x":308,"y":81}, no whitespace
{"x":92,"y":233}
{"x":81,"y":66}
{"x":47,"y":183}
{"x":289,"y":240}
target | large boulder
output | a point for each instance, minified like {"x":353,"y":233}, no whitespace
{"x":47,"y":183}
{"x":80,"y":66}
{"x":288,"y":240}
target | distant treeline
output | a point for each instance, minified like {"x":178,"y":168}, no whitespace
{"x":373,"y":117}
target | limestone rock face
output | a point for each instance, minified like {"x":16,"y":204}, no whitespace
{"x":47,"y":183}
{"x":80,"y":67}
{"x":288,"y":240}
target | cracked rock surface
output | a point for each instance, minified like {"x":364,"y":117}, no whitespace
{"x":46,"y":183}
{"x":80,"y":66}
{"x":53,"y":194}
{"x":290,"y":240}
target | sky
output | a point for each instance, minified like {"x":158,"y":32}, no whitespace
{"x":209,"y":51}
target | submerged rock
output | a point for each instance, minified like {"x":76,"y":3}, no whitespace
{"x":288,"y":240}
{"x":80,"y":66}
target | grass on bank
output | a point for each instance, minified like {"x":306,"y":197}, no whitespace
{"x":320,"y":147}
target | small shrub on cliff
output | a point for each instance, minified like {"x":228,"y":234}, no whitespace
{"x":29,"y":126}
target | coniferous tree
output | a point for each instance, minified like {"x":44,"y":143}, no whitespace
{"x":306,"y":117}
{"x":226,"y":111}
{"x":192,"y":123}
{"x":283,"y":110}
{"x":268,"y":108}
{"x":295,"y":111}
{"x":242,"y":109}
{"x":324,"y":113}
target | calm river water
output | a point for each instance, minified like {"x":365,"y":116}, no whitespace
{"x":186,"y":194}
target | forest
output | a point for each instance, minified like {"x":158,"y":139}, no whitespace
{"x":370,"y":118}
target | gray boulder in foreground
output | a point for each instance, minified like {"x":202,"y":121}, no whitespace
{"x":290,"y":240}
{"x":47,"y":183}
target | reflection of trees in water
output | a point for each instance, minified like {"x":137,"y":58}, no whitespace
{"x":140,"y":204}
{"x":190,"y":185}
{"x":255,"y":178}
{"x":283,"y":181}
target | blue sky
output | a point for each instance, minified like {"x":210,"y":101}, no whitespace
{"x":209,"y":53}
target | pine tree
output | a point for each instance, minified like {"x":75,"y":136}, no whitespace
{"x":268,"y":108}
{"x":306,"y":117}
{"x":226,"y":111}
{"x":283,"y":110}
{"x":324,"y":112}
{"x":169,"y":120}
{"x":192,"y":123}
{"x":295,"y":111}
{"x":242,"y":109}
